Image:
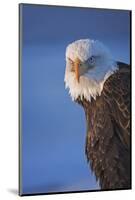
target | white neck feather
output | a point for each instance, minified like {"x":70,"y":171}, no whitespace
{"x":91,"y":84}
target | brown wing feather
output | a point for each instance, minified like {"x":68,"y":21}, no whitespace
{"x":117,"y":92}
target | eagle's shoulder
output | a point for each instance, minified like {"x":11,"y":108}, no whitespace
{"x":118,"y":84}
{"x":119,"y":76}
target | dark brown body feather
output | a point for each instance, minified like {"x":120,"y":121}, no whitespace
{"x":108,"y":131}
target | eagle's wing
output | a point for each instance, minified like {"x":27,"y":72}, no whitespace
{"x":117,"y":94}
{"x":108,"y":131}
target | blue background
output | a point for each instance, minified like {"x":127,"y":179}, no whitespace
{"x":53,"y":127}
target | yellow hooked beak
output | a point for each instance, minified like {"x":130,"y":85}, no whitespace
{"x":76,"y":67}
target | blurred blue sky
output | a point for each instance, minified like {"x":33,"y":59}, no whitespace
{"x":53,"y":127}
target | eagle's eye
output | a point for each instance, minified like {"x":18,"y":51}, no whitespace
{"x":91,"y":60}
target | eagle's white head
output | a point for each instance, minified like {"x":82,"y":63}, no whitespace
{"x":88,"y":64}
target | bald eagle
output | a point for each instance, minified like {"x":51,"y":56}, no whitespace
{"x":102,"y":87}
